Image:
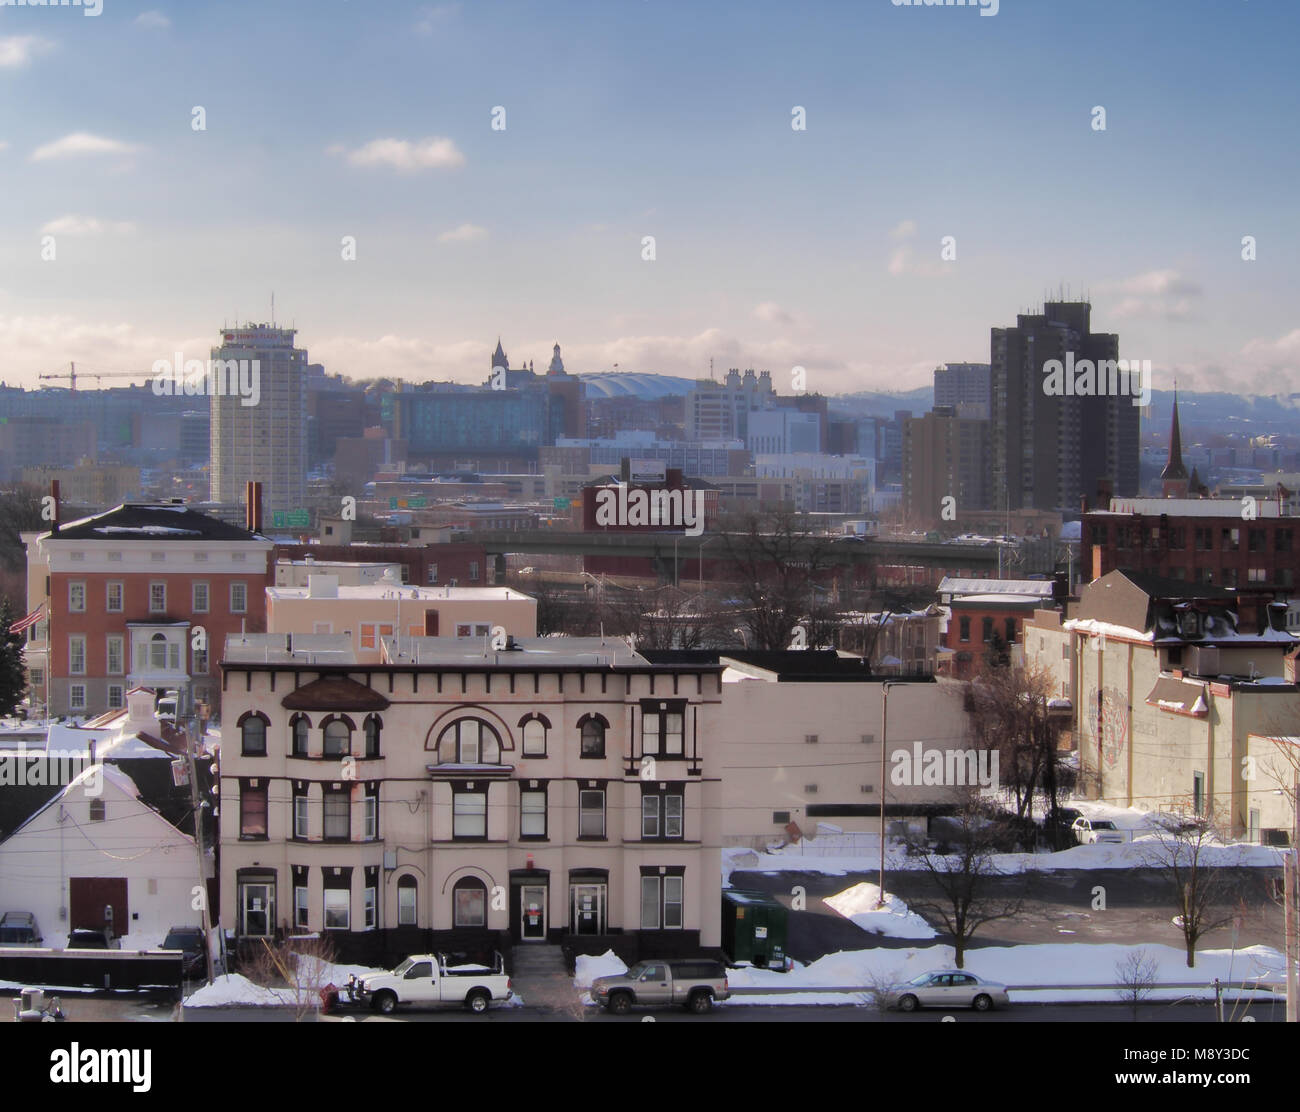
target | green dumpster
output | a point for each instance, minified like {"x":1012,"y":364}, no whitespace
{"x":753,"y":928}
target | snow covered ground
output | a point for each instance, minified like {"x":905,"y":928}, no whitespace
{"x":1057,"y":965}
{"x":236,"y":989}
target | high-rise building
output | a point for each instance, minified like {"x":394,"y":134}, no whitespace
{"x":963,"y":384}
{"x":944,"y":455}
{"x":264,"y":442}
{"x":720,"y":410}
{"x":1056,"y":438}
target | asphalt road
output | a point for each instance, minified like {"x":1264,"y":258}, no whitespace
{"x":742,"y":1013}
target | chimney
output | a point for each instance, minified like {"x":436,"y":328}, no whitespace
{"x":253,"y":506}
{"x":54,"y":493}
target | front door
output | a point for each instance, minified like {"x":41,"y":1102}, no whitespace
{"x":99,"y":903}
{"x":532,"y":909}
{"x":256,"y":909}
{"x":588,"y":914}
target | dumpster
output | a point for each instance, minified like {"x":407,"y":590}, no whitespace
{"x":753,"y":928}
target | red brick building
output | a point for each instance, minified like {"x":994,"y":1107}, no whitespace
{"x":143,"y":595}
{"x":983,"y":627}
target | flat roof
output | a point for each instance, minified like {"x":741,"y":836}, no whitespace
{"x":378,"y":592}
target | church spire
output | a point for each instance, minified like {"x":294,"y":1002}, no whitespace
{"x":1173,"y":479}
{"x":499,"y":357}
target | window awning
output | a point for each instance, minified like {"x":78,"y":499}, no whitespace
{"x":1179,"y":696}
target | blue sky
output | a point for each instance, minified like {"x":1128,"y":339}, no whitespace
{"x":632,"y":118}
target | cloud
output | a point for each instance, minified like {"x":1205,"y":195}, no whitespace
{"x":772,"y":313}
{"x":4,"y":144}
{"x":402,"y":154}
{"x":905,"y":230}
{"x":152,"y":19}
{"x":18,"y":50}
{"x":430,"y":19}
{"x":79,"y":143}
{"x":1154,"y":295}
{"x":463,"y":234}
{"x":34,"y":344}
{"x":82,"y":226}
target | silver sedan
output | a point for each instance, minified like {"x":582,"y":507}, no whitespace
{"x":947,"y":988}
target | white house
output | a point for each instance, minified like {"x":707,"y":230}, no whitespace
{"x":97,"y":846}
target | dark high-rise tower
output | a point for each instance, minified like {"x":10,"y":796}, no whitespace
{"x":1053,"y":447}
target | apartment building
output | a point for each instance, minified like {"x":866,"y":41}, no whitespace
{"x":557,"y":790}
{"x":1174,"y":686}
{"x":143,"y":595}
{"x":367,"y":613}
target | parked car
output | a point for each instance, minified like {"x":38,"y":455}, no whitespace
{"x":947,"y":988}
{"x":18,"y":928}
{"x":1090,"y":832}
{"x":693,"y":983}
{"x":190,"y":942}
{"x":84,"y":938}
{"x":1061,"y":832}
{"x":431,"y":979}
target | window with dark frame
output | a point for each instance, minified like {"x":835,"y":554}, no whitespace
{"x":469,"y":903}
{"x":407,"y":899}
{"x":252,"y":734}
{"x":337,"y":738}
{"x":336,"y":814}
{"x":252,"y":811}
{"x":373,"y":728}
{"x":593,"y":737}
{"x":301,"y":727}
{"x":663,"y":728}
{"x":532,"y":812}
{"x":662,"y":812}
{"x":469,"y":815}
{"x":591,"y":813}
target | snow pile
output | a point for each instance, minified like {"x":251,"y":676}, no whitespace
{"x":859,"y":905}
{"x":588,"y":968}
{"x":233,"y":988}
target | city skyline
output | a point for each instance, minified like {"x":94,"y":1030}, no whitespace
{"x":774,"y":247}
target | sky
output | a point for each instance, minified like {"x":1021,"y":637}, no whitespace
{"x":774,"y":247}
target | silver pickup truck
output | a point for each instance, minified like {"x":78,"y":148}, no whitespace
{"x":694,"y":983}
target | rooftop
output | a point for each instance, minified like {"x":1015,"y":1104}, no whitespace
{"x":150,"y":521}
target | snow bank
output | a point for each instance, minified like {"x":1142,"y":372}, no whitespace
{"x":1051,"y":964}
{"x":234,"y":988}
{"x":859,"y":905}
{"x":587,"y":968}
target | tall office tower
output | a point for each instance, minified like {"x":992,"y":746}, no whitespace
{"x":1053,"y":446}
{"x":266,"y":442}
{"x":720,"y":410}
{"x":963,"y":384}
{"x":944,"y":455}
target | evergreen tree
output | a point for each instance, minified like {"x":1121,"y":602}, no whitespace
{"x":13,"y":681}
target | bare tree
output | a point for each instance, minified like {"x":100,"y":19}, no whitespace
{"x":966,"y":878}
{"x":778,"y":562}
{"x":296,"y":969}
{"x":1009,"y":713}
{"x":1136,"y":977}
{"x":1203,"y":894}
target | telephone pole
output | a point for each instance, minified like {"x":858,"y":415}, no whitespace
{"x":191,"y":743}
{"x":1289,"y":897}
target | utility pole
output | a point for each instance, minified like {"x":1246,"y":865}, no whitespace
{"x":191,"y":743}
{"x":1289,"y":896}
{"x":884,"y":748}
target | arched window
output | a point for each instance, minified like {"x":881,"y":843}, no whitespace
{"x":373,"y":726}
{"x":469,"y":741}
{"x":158,"y":652}
{"x":252,"y":735}
{"x":338,"y":738}
{"x":593,"y":735}
{"x":299,"y":727}
{"x":407,"y":896}
{"x":535,"y":728}
{"x":469,"y":903}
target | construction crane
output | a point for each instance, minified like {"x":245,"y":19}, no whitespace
{"x":71,"y":375}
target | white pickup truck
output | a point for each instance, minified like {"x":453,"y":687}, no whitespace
{"x":428,"y":980}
